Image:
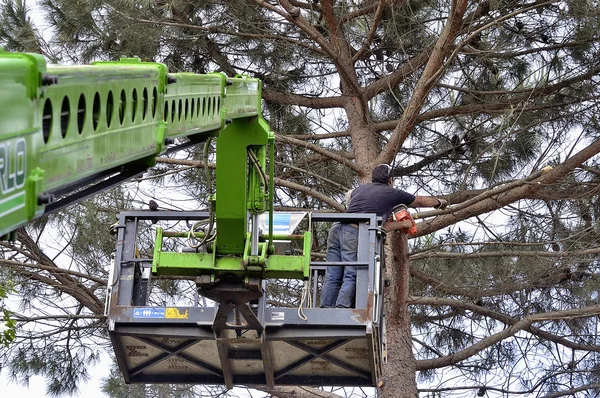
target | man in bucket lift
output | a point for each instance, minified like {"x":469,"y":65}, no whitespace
{"x":378,"y":197}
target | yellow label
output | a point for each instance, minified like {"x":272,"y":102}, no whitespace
{"x":173,"y":313}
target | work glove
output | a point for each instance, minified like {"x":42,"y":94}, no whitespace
{"x":443,"y":204}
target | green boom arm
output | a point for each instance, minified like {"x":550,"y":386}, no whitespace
{"x":68,"y":132}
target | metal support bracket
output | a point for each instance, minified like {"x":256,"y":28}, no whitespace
{"x":233,"y":295}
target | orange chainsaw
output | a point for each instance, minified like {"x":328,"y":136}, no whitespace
{"x":400,"y":213}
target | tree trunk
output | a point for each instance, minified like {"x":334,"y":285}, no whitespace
{"x":399,"y":371}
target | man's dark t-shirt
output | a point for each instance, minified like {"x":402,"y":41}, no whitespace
{"x":378,"y":198}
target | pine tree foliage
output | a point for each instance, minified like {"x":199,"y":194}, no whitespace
{"x":17,"y":30}
{"x":8,"y":325}
{"x":469,"y":100}
{"x":115,"y":387}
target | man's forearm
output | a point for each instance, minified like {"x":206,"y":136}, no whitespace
{"x":427,"y":201}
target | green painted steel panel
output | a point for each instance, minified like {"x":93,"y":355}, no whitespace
{"x":264,"y":266}
{"x":188,"y":264}
{"x":20,"y":81}
{"x":84,"y":120}
{"x":99,"y":117}
{"x":195,"y":264}
{"x":235,"y":181}
{"x":193,"y":104}
{"x":243,"y":97}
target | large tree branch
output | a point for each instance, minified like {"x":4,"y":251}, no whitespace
{"x":340,"y":158}
{"x":315,"y":175}
{"x":538,"y":91}
{"x":426,"y":82}
{"x":492,"y":108}
{"x":416,"y":62}
{"x":342,"y":51}
{"x":320,"y":150}
{"x":523,"y":324}
{"x":475,"y":294}
{"x":508,"y":320}
{"x":16,"y":265}
{"x":292,"y":14}
{"x":502,"y":196}
{"x":90,"y":301}
{"x":571,"y":392}
{"x":390,"y":81}
{"x":311,"y":192}
{"x":381,"y":4}
{"x":25,"y":318}
{"x":77,"y":289}
{"x":366,"y":10}
{"x":478,"y":31}
{"x":511,"y":393}
{"x":512,"y":253}
{"x":285,"y":98}
{"x":320,"y":136}
{"x":487,"y":194}
{"x":490,"y":54}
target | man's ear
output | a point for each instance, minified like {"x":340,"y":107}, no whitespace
{"x":391,"y":182}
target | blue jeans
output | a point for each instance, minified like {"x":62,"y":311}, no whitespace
{"x":339,"y":287}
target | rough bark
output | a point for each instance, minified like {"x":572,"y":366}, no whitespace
{"x":399,"y":371}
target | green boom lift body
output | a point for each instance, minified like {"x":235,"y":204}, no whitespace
{"x":62,"y":127}
{"x":69,"y":132}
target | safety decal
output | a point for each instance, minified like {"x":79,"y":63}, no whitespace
{"x":149,"y":312}
{"x":173,"y":313}
{"x":278,"y":316}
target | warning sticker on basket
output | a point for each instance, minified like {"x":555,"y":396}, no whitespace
{"x":278,"y":316}
{"x":174,"y":313}
{"x":149,"y":312}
